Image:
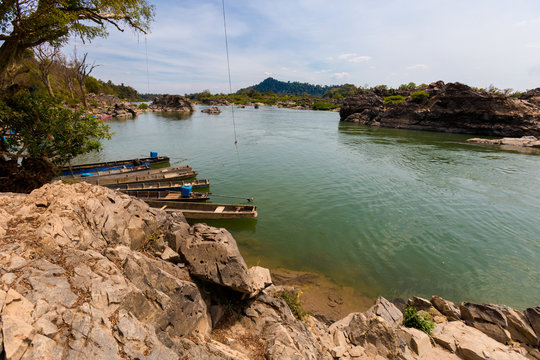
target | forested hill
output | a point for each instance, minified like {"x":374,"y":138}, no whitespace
{"x":296,"y":88}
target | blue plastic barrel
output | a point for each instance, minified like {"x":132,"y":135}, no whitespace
{"x":153,"y":154}
{"x":185,"y":190}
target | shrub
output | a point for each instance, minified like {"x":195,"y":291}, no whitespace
{"x":421,"y":321}
{"x":292,"y":298}
{"x":419,"y":96}
{"x":143,"y":106}
{"x":321,"y":105}
{"x":396,"y":99}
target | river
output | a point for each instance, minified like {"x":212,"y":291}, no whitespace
{"x":385,"y":211}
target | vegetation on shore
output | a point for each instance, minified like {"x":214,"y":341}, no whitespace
{"x":37,"y":83}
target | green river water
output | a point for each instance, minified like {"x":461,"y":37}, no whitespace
{"x":388,"y":212}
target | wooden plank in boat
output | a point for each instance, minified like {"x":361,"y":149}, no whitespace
{"x":219,"y":209}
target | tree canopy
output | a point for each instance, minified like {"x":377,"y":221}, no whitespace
{"x":27,"y":23}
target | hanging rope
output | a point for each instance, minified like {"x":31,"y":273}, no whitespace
{"x":229,"y":71}
{"x":147,"y":72}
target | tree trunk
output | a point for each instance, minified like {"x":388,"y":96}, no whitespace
{"x":48,"y":84}
{"x":83,"y":94}
{"x":10,"y":50}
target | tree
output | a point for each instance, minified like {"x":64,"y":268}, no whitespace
{"x":44,"y":135}
{"x":82,"y":70}
{"x":46,"y":56}
{"x":28,"y":23}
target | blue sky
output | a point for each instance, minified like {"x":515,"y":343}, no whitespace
{"x":363,"y":42}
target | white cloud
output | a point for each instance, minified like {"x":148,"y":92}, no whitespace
{"x":268,"y":73}
{"x":532,"y":46}
{"x":340,"y":75}
{"x":354,"y":58}
{"x":418,"y":67}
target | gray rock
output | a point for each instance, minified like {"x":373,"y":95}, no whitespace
{"x":533,"y":315}
{"x":18,"y":335}
{"x":212,"y":255}
{"x":484,"y":313}
{"x":447,"y":308}
{"x":417,"y":340}
{"x":43,"y":348}
{"x":419,"y":303}
{"x":388,"y":311}
{"x":519,"y":328}
{"x":170,"y":255}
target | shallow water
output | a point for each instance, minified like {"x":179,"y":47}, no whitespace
{"x":388,"y":212}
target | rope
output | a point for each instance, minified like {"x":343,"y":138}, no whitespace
{"x":229,"y":71}
{"x":147,"y":72}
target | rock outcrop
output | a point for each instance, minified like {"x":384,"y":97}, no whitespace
{"x":451,"y":107}
{"x":89,"y":273}
{"x":524,"y":141}
{"x":172,"y":103}
{"x":214,"y":110}
{"x":106,"y":106}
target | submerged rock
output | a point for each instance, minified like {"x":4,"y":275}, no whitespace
{"x":214,"y":110}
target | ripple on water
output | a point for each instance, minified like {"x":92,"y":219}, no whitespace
{"x":389,"y":212}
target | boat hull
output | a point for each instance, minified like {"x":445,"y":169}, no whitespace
{"x":111,"y":165}
{"x":207,"y":211}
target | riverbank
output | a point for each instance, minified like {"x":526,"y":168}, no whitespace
{"x":87,"y":272}
{"x":452,"y":107}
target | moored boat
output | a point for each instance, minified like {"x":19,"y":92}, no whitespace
{"x":167,"y":195}
{"x":138,"y":178}
{"x":161,"y":185}
{"x":121,"y":170}
{"x":193,"y":210}
{"x":112,"y":165}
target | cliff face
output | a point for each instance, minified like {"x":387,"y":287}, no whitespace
{"x":89,"y":273}
{"x":452,"y":107}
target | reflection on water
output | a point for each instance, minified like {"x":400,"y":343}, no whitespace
{"x":388,"y":212}
{"x":174,"y":115}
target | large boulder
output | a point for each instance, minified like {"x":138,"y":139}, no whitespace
{"x":533,"y":315}
{"x":446,"y":307}
{"x":471,"y":344}
{"x":172,"y":103}
{"x":212,"y":255}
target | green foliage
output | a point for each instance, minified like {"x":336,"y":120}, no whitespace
{"x":395,"y":99}
{"x":295,"y":88}
{"x":54,"y":21}
{"x":292,"y":298}
{"x":143,"y":106}
{"x":419,"y":96}
{"x":421,"y":321}
{"x":320,"y":105}
{"x":43,"y":129}
{"x":341,"y":92}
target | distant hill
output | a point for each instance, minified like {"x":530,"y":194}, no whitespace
{"x":296,"y":88}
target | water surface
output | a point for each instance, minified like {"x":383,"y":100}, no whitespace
{"x":388,"y":212}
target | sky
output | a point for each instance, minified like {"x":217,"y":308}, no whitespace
{"x":361,"y":42}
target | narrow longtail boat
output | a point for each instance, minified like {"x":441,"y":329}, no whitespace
{"x":167,"y":195}
{"x":122,"y":170}
{"x":138,"y":178}
{"x":194,"y":210}
{"x":142,"y":172}
{"x":161,"y":185}
{"x":112,"y":165}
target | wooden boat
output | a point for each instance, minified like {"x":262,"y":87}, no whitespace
{"x":193,"y":210}
{"x":122,"y":170}
{"x":142,"y":172}
{"x":167,"y":195}
{"x":161,"y":185}
{"x":111,"y":165}
{"x":137,"y":178}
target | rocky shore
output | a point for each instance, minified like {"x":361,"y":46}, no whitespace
{"x":451,"y":107}
{"x":110,"y":106}
{"x":89,"y":273}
